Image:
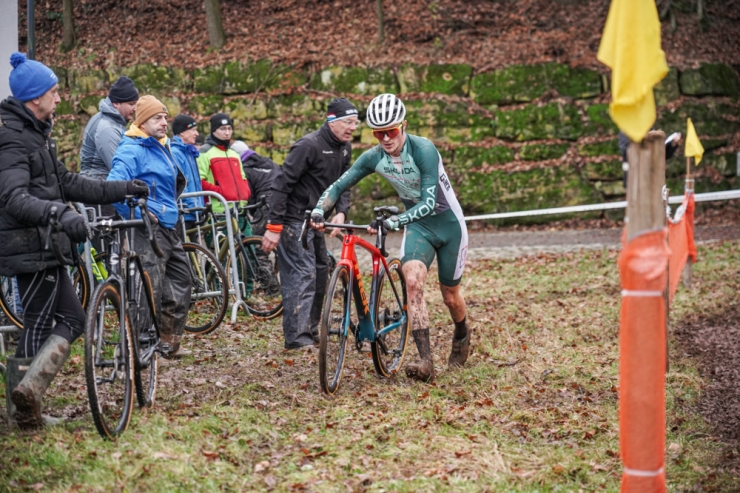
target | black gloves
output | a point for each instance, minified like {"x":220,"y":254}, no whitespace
{"x":73,"y":224}
{"x":317,"y":218}
{"x":137,"y":188}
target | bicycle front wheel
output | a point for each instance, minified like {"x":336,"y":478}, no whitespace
{"x":210,"y":291}
{"x":261,"y":278}
{"x":391,"y":321}
{"x":336,"y":323}
{"x":109,"y":362}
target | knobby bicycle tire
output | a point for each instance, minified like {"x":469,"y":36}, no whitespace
{"x":210,"y":292}
{"x":389,"y":349}
{"x":260,"y":277}
{"x":144,"y":333}
{"x":109,"y":365}
{"x":336,"y":322}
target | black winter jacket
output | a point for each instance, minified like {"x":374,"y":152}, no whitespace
{"x":32,"y":181}
{"x":314,"y":162}
{"x":261,"y":173}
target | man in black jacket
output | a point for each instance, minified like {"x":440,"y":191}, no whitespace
{"x":34,"y":188}
{"x":261,"y":172}
{"x":314,"y":162}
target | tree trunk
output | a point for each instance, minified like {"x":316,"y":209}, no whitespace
{"x":216,"y":35}
{"x":68,"y":26}
{"x":381,"y":22}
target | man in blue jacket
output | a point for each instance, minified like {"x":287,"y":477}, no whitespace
{"x":185,"y":131}
{"x":144,"y":153}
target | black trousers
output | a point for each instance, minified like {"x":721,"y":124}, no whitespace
{"x":170,"y":277}
{"x":50,"y":306}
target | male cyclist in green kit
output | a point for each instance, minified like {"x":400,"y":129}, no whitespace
{"x":433,"y":223}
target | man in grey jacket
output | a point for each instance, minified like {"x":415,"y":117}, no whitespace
{"x":105,"y":130}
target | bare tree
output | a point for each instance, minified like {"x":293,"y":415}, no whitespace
{"x":216,"y":35}
{"x":381,"y":23}
{"x":69,"y":40}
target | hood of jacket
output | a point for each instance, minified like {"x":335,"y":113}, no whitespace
{"x":146,"y":140}
{"x":15,"y":115}
{"x":177,"y":143}
{"x":106,"y":107}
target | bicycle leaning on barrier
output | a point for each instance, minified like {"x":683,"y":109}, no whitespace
{"x":381,"y":319}
{"x":256,"y":270}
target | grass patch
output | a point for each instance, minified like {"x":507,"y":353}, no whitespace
{"x":534,"y":410}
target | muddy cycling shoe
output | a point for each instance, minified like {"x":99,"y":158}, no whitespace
{"x":422,"y":370}
{"x":459,"y":353}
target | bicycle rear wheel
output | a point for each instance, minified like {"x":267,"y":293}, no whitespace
{"x":336,"y":323}
{"x":391,"y":321}
{"x":261,"y":278}
{"x":108,"y":362}
{"x":145,"y":332}
{"x":210,"y":292}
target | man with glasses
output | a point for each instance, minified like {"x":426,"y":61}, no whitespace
{"x":314,"y":162}
{"x":433,"y":223}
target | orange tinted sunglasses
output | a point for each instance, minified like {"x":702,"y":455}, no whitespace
{"x":391,"y":133}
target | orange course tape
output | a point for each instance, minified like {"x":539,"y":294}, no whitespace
{"x":642,"y":362}
{"x":681,"y":243}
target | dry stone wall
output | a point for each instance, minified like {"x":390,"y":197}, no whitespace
{"x":523,"y":137}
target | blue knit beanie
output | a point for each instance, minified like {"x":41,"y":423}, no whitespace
{"x":30,"y":79}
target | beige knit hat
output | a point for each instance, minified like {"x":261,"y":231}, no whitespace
{"x":147,"y":107}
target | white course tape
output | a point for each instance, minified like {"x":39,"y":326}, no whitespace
{"x":643,"y":474}
{"x":641,"y":294}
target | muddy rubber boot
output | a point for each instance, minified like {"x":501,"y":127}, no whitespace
{"x":14,"y":373}
{"x":176,"y":350}
{"x":28,"y":394}
{"x":460,"y":345}
{"x":422,"y":370}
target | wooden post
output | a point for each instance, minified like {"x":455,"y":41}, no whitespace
{"x":645,"y":181}
{"x":642,"y":326}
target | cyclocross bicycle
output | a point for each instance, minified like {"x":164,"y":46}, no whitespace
{"x":381,"y":320}
{"x":122,"y":338}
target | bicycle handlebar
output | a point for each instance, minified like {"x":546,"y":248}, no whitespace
{"x":107,"y":224}
{"x":381,"y":213}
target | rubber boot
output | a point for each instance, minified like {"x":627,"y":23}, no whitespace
{"x":460,"y":345}
{"x":28,"y":394}
{"x":14,"y":373}
{"x":176,"y":350}
{"x":422,"y":370}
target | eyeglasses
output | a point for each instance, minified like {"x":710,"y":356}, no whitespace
{"x":392,"y":133}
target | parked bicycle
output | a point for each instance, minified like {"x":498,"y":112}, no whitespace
{"x":380,"y":319}
{"x":257,"y":271}
{"x":122,"y":338}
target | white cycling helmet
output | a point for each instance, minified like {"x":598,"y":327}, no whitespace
{"x":385,"y":111}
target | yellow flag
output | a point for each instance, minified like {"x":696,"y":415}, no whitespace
{"x":693,"y":145}
{"x":630,"y":46}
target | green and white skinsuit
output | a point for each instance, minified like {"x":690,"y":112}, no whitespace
{"x":433,"y":221}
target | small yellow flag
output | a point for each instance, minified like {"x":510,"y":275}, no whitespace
{"x":693,"y":144}
{"x":630,"y":46}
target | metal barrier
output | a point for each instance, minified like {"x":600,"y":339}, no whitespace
{"x":236,"y":284}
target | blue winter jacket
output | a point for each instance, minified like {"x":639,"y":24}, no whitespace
{"x":148,"y":160}
{"x":185,"y":154}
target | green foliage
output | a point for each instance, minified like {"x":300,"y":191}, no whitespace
{"x":553,"y":120}
{"x":539,"y":152}
{"x":354,"y":80}
{"x":710,"y":79}
{"x":605,"y":148}
{"x":453,"y":79}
